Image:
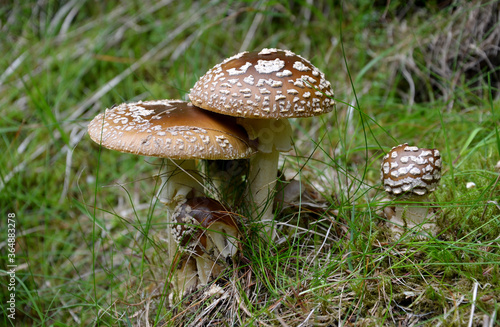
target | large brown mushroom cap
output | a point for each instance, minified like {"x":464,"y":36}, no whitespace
{"x":170,"y":129}
{"x":271,"y":83}
{"x":410,"y":170}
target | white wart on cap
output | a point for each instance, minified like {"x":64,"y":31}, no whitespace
{"x":170,"y":129}
{"x":409,"y":170}
{"x":272,"y":83}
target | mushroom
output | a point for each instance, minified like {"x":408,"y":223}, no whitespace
{"x":263,"y":89}
{"x":208,"y":232}
{"x":411,"y":174}
{"x":176,"y":130}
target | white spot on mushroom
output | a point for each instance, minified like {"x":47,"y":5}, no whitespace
{"x":415,"y":171}
{"x":249,"y":80}
{"x":242,"y":70}
{"x":406,"y":187}
{"x":309,"y":79}
{"x":284,"y":73}
{"x":411,"y":148}
{"x":267,"y":51}
{"x":122,"y":120}
{"x":263,"y":90}
{"x":269,"y":66}
{"x":300,"y":66}
{"x":397,"y":190}
{"x":205,"y":139}
{"x":419,"y":191}
{"x":299,"y":83}
{"x":427,"y":177}
{"x":277,"y":84}
{"x":217,"y":76}
{"x":385,"y":167}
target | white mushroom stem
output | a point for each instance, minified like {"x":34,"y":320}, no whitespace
{"x":179,"y":179}
{"x":273,"y":136}
{"x":413,"y":214}
{"x":262,"y":178}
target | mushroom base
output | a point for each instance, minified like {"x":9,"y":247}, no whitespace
{"x":185,"y":278}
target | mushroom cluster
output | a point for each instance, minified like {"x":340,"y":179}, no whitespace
{"x":410,"y":174}
{"x":239,"y":110}
{"x":176,"y":130}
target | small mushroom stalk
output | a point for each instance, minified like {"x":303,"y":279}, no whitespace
{"x":181,"y":177}
{"x":414,"y":212}
{"x":180,"y":180}
{"x":410,"y":174}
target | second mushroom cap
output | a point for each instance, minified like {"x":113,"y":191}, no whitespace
{"x":411,"y":170}
{"x":170,"y":129}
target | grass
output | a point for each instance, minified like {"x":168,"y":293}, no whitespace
{"x":89,"y":247}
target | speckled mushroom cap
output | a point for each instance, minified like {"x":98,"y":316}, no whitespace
{"x":411,"y":171}
{"x":271,"y":83}
{"x":170,"y":129}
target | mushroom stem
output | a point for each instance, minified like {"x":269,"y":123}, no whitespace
{"x":413,"y":214}
{"x":273,"y":136}
{"x":180,"y":178}
{"x":262,"y":177}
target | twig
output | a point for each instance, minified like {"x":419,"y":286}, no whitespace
{"x":473,"y":308}
{"x":308,"y":316}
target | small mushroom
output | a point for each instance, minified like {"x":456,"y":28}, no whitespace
{"x":263,"y":89}
{"x":208,"y":231}
{"x":410,"y":174}
{"x":176,"y":130}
